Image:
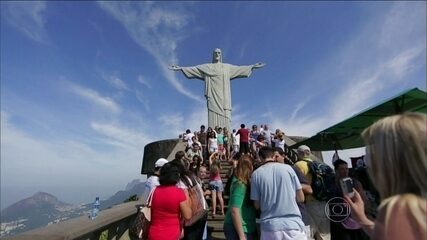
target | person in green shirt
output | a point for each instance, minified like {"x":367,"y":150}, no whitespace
{"x":239,"y":222}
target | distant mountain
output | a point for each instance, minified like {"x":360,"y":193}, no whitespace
{"x":43,"y":208}
{"x":36,"y":211}
{"x":121,"y":196}
{"x":132,"y":184}
{"x":39,"y":203}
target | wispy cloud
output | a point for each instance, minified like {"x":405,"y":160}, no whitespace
{"x":140,"y":94}
{"x":406,"y":61}
{"x":28,"y":17}
{"x":371,"y":62}
{"x":158,"y":28}
{"x":175,"y":123}
{"x":117,"y":135}
{"x":94,"y":97}
{"x":298,"y":107}
{"x":114,"y":80}
{"x":31,"y":163}
{"x":143,"y":99}
{"x":144,"y":81}
{"x":243,"y":48}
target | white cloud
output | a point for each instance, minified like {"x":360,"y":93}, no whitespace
{"x":144,"y":81}
{"x":115,"y":80}
{"x":403,"y":21}
{"x":238,"y":117}
{"x":406,"y":61}
{"x":120,"y":136}
{"x":372,"y":64}
{"x":28,"y":17}
{"x":367,"y":84}
{"x":302,"y":126}
{"x":174,"y":123}
{"x":157,"y":29}
{"x":243,"y":48}
{"x":394,"y":53}
{"x":297,"y":109}
{"x":143,"y":99}
{"x":94,"y":97}
{"x":31,"y":163}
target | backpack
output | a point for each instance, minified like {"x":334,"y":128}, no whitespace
{"x":323,"y":180}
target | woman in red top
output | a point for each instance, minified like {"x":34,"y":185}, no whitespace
{"x":168,"y":204}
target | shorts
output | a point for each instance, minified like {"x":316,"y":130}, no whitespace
{"x":221,"y":148}
{"x":216,"y":186}
{"x":283,"y":235}
{"x":213,"y":150}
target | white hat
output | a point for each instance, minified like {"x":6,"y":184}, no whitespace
{"x":303,"y":148}
{"x":160,"y":162}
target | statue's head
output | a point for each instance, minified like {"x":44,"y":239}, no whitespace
{"x":217,"y":55}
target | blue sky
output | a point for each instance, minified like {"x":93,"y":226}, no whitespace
{"x":85,"y":85}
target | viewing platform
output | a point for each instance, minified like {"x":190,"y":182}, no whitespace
{"x":114,"y":222}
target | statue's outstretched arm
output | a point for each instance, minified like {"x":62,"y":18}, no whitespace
{"x":175,"y":67}
{"x":258,"y":65}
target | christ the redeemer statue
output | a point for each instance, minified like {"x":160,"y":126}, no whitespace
{"x":217,"y":77}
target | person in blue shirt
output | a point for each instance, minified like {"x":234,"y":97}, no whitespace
{"x":280,"y":217}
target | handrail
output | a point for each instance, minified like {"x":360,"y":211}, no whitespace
{"x":116,"y":220}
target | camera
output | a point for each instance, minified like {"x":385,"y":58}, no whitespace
{"x":347,"y":187}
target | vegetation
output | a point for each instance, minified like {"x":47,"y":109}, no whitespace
{"x":132,"y":198}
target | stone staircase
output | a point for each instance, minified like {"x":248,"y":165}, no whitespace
{"x":215,"y":225}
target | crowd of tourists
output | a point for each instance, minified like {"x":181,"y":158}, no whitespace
{"x":271,"y":196}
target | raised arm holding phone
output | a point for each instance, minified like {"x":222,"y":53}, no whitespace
{"x":396,"y":147}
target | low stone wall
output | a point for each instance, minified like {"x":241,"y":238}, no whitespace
{"x":115,"y":220}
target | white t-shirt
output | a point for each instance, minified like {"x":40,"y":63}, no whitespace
{"x":236,"y":139}
{"x":188,"y":138}
{"x":267,"y":135}
{"x":213,"y":143}
{"x":151,"y":183}
{"x":280,"y":144}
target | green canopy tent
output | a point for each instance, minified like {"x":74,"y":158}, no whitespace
{"x":346,"y":134}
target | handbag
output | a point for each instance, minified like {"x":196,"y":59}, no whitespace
{"x":197,"y":204}
{"x":140,"y":226}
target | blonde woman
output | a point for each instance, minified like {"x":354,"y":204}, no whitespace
{"x":397,"y":163}
{"x":215,"y":182}
{"x":239,"y":222}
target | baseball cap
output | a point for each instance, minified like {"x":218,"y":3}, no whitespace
{"x":303,"y":148}
{"x":160,"y":162}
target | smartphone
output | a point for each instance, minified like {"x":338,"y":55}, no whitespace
{"x":347,"y":187}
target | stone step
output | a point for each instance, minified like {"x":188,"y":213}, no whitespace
{"x":216,"y":224}
{"x":217,"y":236}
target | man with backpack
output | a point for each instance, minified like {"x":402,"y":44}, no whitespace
{"x":321,"y":177}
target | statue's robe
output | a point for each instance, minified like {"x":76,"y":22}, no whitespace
{"x":217,"y":77}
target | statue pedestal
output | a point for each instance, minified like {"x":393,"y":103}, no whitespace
{"x":160,"y":149}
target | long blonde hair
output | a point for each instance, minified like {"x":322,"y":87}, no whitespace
{"x":397,"y":154}
{"x":414,"y":204}
{"x":244,"y":169}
